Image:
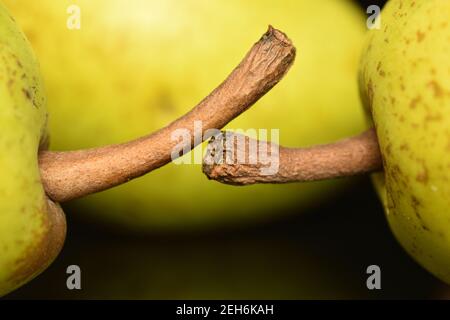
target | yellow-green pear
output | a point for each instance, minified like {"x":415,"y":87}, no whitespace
{"x":117,"y":69}
{"x":405,"y":79}
{"x":32,"y":228}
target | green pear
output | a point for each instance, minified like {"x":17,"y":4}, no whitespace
{"x":405,"y":77}
{"x":32,"y":228}
{"x":117,"y":69}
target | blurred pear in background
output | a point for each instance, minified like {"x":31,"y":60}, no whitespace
{"x":117,"y":69}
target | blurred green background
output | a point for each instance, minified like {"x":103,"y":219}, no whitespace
{"x":323,"y":253}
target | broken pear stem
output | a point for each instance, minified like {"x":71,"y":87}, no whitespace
{"x":73,"y":174}
{"x":348,"y":157}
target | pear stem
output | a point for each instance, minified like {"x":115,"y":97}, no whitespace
{"x":74,"y":174}
{"x":352,"y":156}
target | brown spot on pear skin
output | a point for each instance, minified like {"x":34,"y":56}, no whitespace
{"x":437,"y":89}
{"x":420,"y":36}
{"x":414,"y":102}
{"x":27,"y":94}
{"x":388,"y":148}
{"x":393,"y":100}
{"x":433,"y":117}
{"x":422,"y":177}
{"x":415,"y":202}
{"x":415,"y":205}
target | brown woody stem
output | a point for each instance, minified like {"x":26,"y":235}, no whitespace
{"x":70,"y":175}
{"x":352,"y":156}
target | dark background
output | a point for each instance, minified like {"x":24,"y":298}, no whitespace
{"x":343,"y":236}
{"x":366,"y":3}
{"x":346,"y":234}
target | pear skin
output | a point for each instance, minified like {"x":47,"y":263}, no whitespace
{"x":405,"y":79}
{"x":32,"y":228}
